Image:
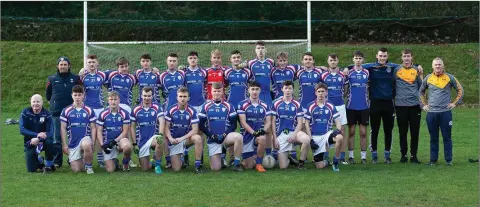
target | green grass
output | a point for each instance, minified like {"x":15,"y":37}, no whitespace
{"x":26,"y":66}
{"x":355,"y":185}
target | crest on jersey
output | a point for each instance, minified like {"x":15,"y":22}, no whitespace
{"x":268,"y":66}
{"x":128,"y":80}
{"x":293,"y":108}
{"x":179,"y":77}
{"x":315,"y":75}
{"x":288,"y":72}
{"x":364,"y":76}
{"x":84,"y":115}
{"x":153,"y":113}
{"x":261,"y":110}
{"x":153,"y":77}
{"x":119,"y":118}
{"x":243,"y":75}
{"x":71,"y":80}
{"x":219,"y":74}
{"x":326,"y":111}
{"x":98,"y":79}
{"x":339,"y":79}
{"x":42,"y":119}
{"x":389,"y":70}
{"x":187,"y":116}
{"x":223,"y":109}
{"x":263,"y":67}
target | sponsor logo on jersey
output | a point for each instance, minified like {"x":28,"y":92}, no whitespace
{"x":42,"y":119}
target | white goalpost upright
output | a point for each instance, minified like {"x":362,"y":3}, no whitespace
{"x":85,"y":39}
{"x":309,"y":26}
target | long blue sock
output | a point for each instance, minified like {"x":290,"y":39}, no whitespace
{"x":326,"y":154}
{"x":259,"y":160}
{"x":387,"y":154}
{"x":236,"y":161}
{"x":88,"y":165}
{"x":293,"y":153}
{"x":197,"y":163}
{"x":374,"y":154}
{"x":335,"y":160}
{"x":158,"y":162}
{"x":100,"y":156}
{"x":268,"y":151}
{"x":167,"y":158}
{"x":125,"y":161}
{"x":342,"y":155}
{"x":49,"y":163}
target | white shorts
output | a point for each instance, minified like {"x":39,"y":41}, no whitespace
{"x":177,"y":148}
{"x":343,"y":114}
{"x":145,"y":149}
{"x":113,"y":154}
{"x":98,"y":111}
{"x":249,"y":147}
{"x":77,"y":153}
{"x":322,"y":142}
{"x":214,"y":148}
{"x":126,"y":108}
{"x":282,"y":140}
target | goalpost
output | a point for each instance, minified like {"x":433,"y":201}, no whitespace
{"x":107,"y":52}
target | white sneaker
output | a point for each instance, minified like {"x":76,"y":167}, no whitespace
{"x":132,"y":164}
{"x":90,"y":170}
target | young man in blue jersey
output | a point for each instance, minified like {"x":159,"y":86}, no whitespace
{"x":318,"y":120}
{"x":146,"y":76}
{"x":218,"y":121}
{"x":36,"y":126}
{"x":78,"y":127}
{"x":287,"y":127}
{"x":93,"y":80}
{"x":255,"y":121}
{"x":236,"y":78}
{"x":195,"y":80}
{"x":181,"y":124}
{"x":122,"y":82}
{"x":357,"y":106}
{"x":281,"y":73}
{"x":147,"y":127}
{"x":335,"y":82}
{"x":113,"y":126}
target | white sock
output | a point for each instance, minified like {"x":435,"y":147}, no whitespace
{"x":364,"y":155}
{"x":350,"y":153}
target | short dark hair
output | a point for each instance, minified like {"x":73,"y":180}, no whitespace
{"x":183,"y":89}
{"x":78,"y":89}
{"x":172,"y":54}
{"x":382,"y":49}
{"x":253,"y":83}
{"x":283,"y":55}
{"x":288,"y":83}
{"x":235,"y":52}
{"x":407,"y":51}
{"x":333,"y":55}
{"x":308,"y":54}
{"x":193,"y":53}
{"x":121,"y":61}
{"x":146,"y":56}
{"x":147,"y":89}
{"x":92,"y":56}
{"x":321,"y":85}
{"x":217,"y":85}
{"x":358,"y":54}
{"x":260,"y":42}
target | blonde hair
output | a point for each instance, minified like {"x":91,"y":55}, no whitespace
{"x":216,"y":52}
{"x":283,"y":55}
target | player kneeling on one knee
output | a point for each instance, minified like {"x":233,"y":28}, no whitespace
{"x":113,"y":125}
{"x":78,"y":125}
{"x":287,"y":127}
{"x":318,"y":119}
{"x":147,"y":131}
{"x":254,"y":118}
{"x":182,"y":130}
{"x":218,"y":121}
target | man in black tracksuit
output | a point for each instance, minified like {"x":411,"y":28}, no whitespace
{"x":58,"y":94}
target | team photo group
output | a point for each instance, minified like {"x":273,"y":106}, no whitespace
{"x":278,"y":108}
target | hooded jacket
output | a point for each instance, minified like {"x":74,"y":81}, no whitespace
{"x":59,"y":90}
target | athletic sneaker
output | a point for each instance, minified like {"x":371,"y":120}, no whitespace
{"x":259,"y":168}
{"x":450,"y":163}
{"x":388,"y":160}
{"x":89,"y":170}
{"x":364,"y":161}
{"x":375,"y":160}
{"x":431,"y":163}
{"x":132,"y":164}
{"x":293,"y":160}
{"x":126,"y":168}
{"x":47,"y":170}
{"x":224,"y":163}
{"x":158,"y":170}
{"x":335,"y":168}
{"x":237,"y":168}
{"x":403,"y":159}
{"x":184,"y":165}
{"x":168,"y":165}
{"x":414,"y":160}
{"x":230,"y":163}
{"x":301,"y":166}
{"x":343,"y":162}
{"x":101,"y":164}
{"x":351,"y":160}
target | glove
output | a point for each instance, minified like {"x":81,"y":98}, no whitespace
{"x":181,"y":67}
{"x":159,"y":138}
{"x":135,"y":148}
{"x":259,"y":132}
{"x":313,"y":145}
{"x":218,"y":138}
{"x":112,"y":144}
{"x":106,"y":148}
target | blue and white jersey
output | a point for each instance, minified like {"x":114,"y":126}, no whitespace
{"x":217,"y":117}
{"x":358,"y":90}
{"x":321,"y":117}
{"x":195,"y":80}
{"x":123,"y":84}
{"x":150,"y":79}
{"x":286,"y":114}
{"x":78,"y":123}
{"x":112,"y":123}
{"x":146,"y":119}
{"x":280,"y":75}
{"x":336,"y":87}
{"x":237,"y":81}
{"x":262,"y":73}
{"x":180,"y":120}
{"x":93,"y":82}
{"x":170,"y":82}
{"x":255,"y":115}
{"x":307,"y":81}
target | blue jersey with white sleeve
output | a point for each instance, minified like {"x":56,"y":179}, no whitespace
{"x":195,"y":80}
{"x":237,"y":81}
{"x":78,"y":123}
{"x":146,"y":119}
{"x":112,"y":123}
{"x":123,"y":84}
{"x":336,"y":87}
{"x":93,"y":82}
{"x":255,"y":115}
{"x":262,"y":73}
{"x":358,"y":89}
{"x":170,"y":82}
{"x":218,"y":117}
{"x":307,"y":79}
{"x":180,"y":120}
{"x":280,"y":75}
{"x":150,"y":79}
{"x":286,"y":114}
{"x":321,"y":117}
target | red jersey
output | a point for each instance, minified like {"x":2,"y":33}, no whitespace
{"x":215,"y":75}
